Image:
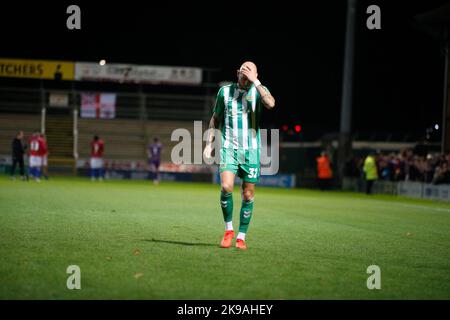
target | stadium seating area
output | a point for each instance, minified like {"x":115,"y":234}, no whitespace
{"x":124,"y":139}
{"x":139,"y":118}
{"x":127,"y":139}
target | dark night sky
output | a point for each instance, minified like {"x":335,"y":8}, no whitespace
{"x":298,"y":49}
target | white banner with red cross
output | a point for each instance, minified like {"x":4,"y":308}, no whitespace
{"x":98,"y":105}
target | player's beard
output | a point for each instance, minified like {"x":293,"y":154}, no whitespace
{"x":244,"y":84}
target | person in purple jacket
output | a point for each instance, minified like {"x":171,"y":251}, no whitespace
{"x":154,"y":151}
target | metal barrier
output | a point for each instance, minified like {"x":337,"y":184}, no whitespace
{"x":424,"y":191}
{"x":411,"y":189}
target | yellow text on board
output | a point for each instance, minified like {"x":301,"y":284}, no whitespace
{"x":37,"y":69}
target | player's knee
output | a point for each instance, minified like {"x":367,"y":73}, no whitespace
{"x":227,"y":187}
{"x":248,"y":195}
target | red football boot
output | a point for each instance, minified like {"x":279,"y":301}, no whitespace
{"x":227,"y":239}
{"x":240,"y":244}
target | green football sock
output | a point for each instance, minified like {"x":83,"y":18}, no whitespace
{"x":246,"y":215}
{"x":226,"y":202}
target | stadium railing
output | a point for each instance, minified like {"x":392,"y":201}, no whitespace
{"x":412,"y":189}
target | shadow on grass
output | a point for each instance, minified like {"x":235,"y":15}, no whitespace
{"x":182,"y":243}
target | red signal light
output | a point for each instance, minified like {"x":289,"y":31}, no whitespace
{"x":298,"y":128}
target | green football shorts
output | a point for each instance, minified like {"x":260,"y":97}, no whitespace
{"x":246,"y":166}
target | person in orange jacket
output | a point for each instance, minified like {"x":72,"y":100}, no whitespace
{"x":324,"y":171}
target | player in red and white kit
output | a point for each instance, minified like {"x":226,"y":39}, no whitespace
{"x":37,"y":151}
{"x":96,"y":162}
{"x":44,"y":157}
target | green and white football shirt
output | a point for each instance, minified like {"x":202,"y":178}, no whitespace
{"x":240,"y":111}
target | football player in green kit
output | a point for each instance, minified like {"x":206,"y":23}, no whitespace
{"x":237,"y":114}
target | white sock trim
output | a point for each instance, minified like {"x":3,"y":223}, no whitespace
{"x":229,"y":225}
{"x":241,"y":236}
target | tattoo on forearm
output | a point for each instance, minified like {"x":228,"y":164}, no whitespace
{"x":266,"y":97}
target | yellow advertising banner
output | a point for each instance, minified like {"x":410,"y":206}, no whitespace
{"x":37,"y":69}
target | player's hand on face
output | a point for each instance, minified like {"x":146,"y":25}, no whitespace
{"x":249,"y":74}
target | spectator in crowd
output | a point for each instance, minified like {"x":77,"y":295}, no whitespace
{"x":384,"y":168}
{"x":18,"y":152}
{"x":324,"y":171}
{"x":441,"y":174}
{"x":407,"y":166}
{"x":370,"y":172}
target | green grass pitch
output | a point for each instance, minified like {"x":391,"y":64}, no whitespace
{"x":134,"y":240}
